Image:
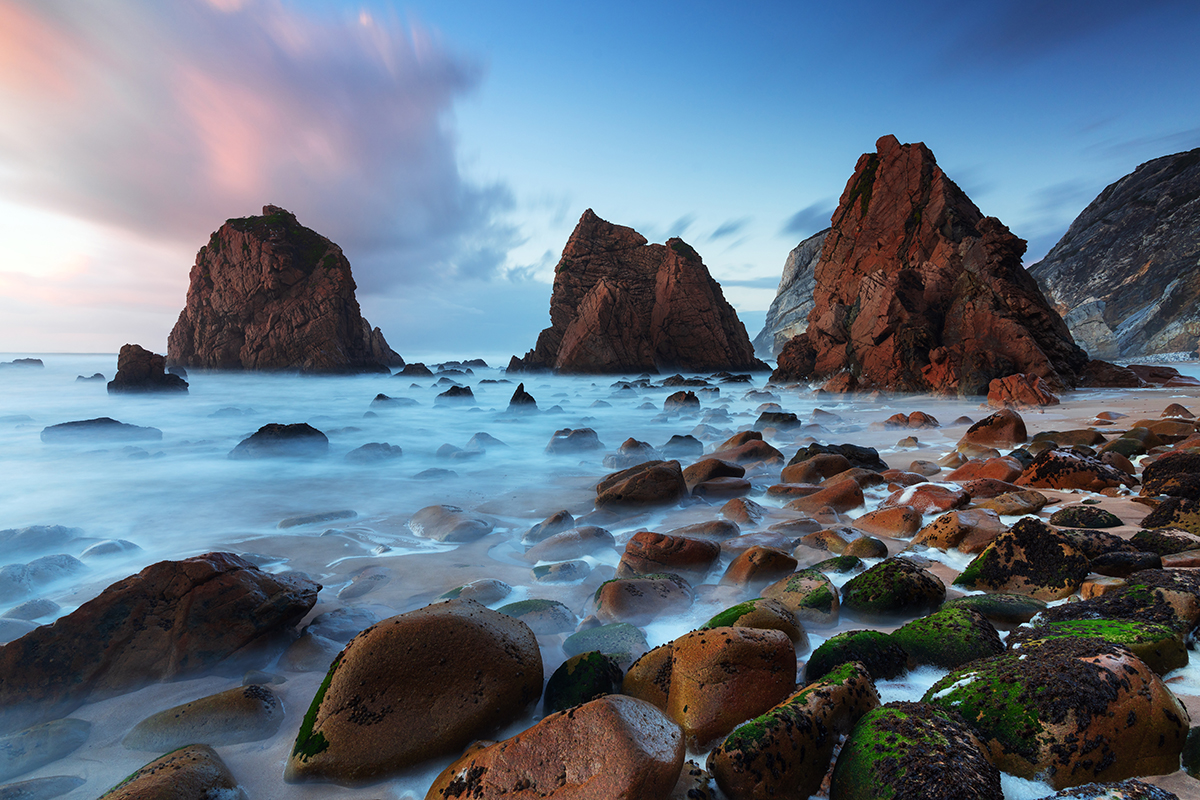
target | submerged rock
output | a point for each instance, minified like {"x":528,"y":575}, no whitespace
{"x":245,"y":714}
{"x":101,"y":429}
{"x":195,"y":772}
{"x":276,"y":440}
{"x":26,"y":750}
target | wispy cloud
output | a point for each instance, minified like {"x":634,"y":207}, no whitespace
{"x":729,"y":228}
{"x":809,"y":219}
{"x":164,"y":117}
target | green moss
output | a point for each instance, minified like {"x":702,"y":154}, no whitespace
{"x":820,"y":598}
{"x":992,"y":702}
{"x":684,"y":249}
{"x":840,"y":564}
{"x":452,"y":594}
{"x":862,"y":188}
{"x":309,"y":744}
{"x":728,"y":617}
{"x":974,"y":570}
{"x":535,"y":605}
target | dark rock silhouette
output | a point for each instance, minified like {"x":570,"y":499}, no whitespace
{"x":140,"y":371}
{"x":622,"y":305}
{"x":266,"y":293}
{"x":916,"y":290}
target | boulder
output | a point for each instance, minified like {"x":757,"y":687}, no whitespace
{"x":949,"y":638}
{"x":893,"y":588}
{"x":876,"y":652}
{"x":643,"y":599}
{"x":1020,"y":391}
{"x":266,"y":293}
{"x":764,"y":614}
{"x":757,"y":566}
{"x":622,"y":305}
{"x":647,"y":552}
{"x":444,"y":523}
{"x":171,"y":620}
{"x":1030,"y":558}
{"x":569,"y":441}
{"x":194,"y":772}
{"x":274,"y":440}
{"x":968,"y":530}
{"x":25,"y":750}
{"x":615,"y":747}
{"x":1161,"y":648}
{"x":624,"y":642}
{"x":649,"y":484}
{"x":246,"y":714}
{"x":522,"y":402}
{"x":140,"y":371}
{"x":101,"y":429}
{"x":1124,"y":272}
{"x":1067,"y":469}
{"x":572,"y":543}
{"x":999,"y":609}
{"x":581,"y":679}
{"x":1003,"y":429}
{"x":808,"y":594}
{"x":414,"y":687}
{"x":917,"y":291}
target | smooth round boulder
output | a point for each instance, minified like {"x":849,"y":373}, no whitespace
{"x":1032,"y":559}
{"x":541,"y":615}
{"x":573,"y":543}
{"x":893,"y":588}
{"x":1067,"y":469}
{"x":25,"y":750}
{"x":757,"y":566}
{"x":616,"y":747}
{"x":484,"y":591}
{"x":1164,"y":596}
{"x":913,"y":751}
{"x":642,"y":600}
{"x":949,"y":638}
{"x":274,"y":440}
{"x":624,"y":642}
{"x":444,"y":523}
{"x":649,"y":678}
{"x":1085,"y":517}
{"x":808,"y":594}
{"x":195,"y":772}
{"x":1000,"y":609}
{"x":966,"y":530}
{"x":580,"y":679}
{"x":246,"y":714}
{"x":1131,"y":789}
{"x":762,"y":613}
{"x":648,"y":553}
{"x":414,"y":687}
{"x":650,"y":484}
{"x":882,"y":657}
{"x":1003,"y":429}
{"x":1068,"y":711}
{"x":1160,"y":647}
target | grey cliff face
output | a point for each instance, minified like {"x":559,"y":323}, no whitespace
{"x":788,"y":315}
{"x":1126,"y":275}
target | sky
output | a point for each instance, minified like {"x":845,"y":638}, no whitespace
{"x":450,"y":146}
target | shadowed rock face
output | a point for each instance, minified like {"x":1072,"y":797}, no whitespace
{"x":622,"y":305}
{"x":267,"y":293}
{"x":788,"y":314}
{"x":1124,"y":275}
{"x":916,"y":290}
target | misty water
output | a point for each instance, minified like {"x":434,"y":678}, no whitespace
{"x":181,"y":496}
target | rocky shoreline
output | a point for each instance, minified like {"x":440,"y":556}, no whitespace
{"x":654,"y":558}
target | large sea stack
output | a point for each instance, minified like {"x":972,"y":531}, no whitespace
{"x":917,"y":291}
{"x":788,"y":314}
{"x":1124,"y":276}
{"x":267,"y":293}
{"x":622,"y":305}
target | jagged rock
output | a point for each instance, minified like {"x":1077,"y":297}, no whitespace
{"x":522,"y":402}
{"x":1126,"y":268}
{"x":267,"y":293}
{"x":918,"y":291}
{"x":622,"y":305}
{"x":788,"y":314}
{"x":1020,"y":390}
{"x":139,"y":370}
{"x":172,"y":619}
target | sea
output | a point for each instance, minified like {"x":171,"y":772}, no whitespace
{"x":182,"y":495}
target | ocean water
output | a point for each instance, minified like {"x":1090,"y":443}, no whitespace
{"x":182,"y":496}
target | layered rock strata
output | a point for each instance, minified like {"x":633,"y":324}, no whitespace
{"x":916,"y":290}
{"x":266,"y":293}
{"x":1124,"y":275}
{"x":622,"y":305}
{"x":788,"y":314}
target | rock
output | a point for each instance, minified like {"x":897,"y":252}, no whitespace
{"x":373,"y":453}
{"x":522,"y":402}
{"x":556,"y":523}
{"x":622,"y":305}
{"x":631,"y":453}
{"x":366,"y":580}
{"x":568,"y":441}
{"x":1165,"y":542}
{"x":1166,"y":597}
{"x":757,"y":566}
{"x":195,"y":772}
{"x":40,"y":788}
{"x":875,"y":651}
{"x":624,"y":642}
{"x":917,"y":291}
{"x":1101,"y":374}
{"x":1067,"y":469}
{"x":857,"y":456}
{"x":808,"y":594}
{"x":561,"y":572}
{"x":682,"y":447}
{"x":31,"y":609}
{"x":139,"y":371}
{"x":648,"y":552}
{"x":1175,"y":512}
{"x":1159,"y":647}
{"x":171,"y":620}
{"x":1015,"y":503}
{"x":949,"y":638}
{"x":815,"y":468}
{"x":614,"y":747}
{"x":1070,"y":711}
{"x":788,"y":314}
{"x":1174,"y":474}
{"x":342,"y":624}
{"x":763,"y":614}
{"x":101,"y":429}
{"x":968,"y":530}
{"x":455,"y":396}
{"x":723,"y":676}
{"x":26,"y":750}
{"x":1005,"y":428}
{"x":1125,"y":267}
{"x":316,"y":519}
{"x":717,"y":530}
{"x":581,"y":679}
{"x":23,"y":363}
{"x":274,"y":440}
{"x":484,"y":591}
{"x":426,"y":683}
{"x":709,"y":468}
{"x":1020,"y":391}
{"x":681,"y":401}
{"x":448,"y":524}
{"x":573,"y":543}
{"x":1031,"y":558}
{"x":245,"y":714}
{"x":1131,"y":789}
{"x":648,"y":484}
{"x":913,"y":751}
{"x":643,"y":599}
{"x":841,"y":496}
{"x":928,"y":498}
{"x":1087,"y":517}
{"x":899,"y":521}
{"x":267,"y":293}
{"x":999,"y":609}
{"x":893,"y":588}
{"x":786,"y":751}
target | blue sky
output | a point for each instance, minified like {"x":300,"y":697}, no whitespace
{"x":450,"y":147}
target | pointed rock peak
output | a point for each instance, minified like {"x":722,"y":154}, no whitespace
{"x":593,"y":234}
{"x":683,"y":249}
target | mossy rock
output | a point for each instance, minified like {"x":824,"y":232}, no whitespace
{"x":1084,"y":436}
{"x":809,"y":594}
{"x":1165,"y":542}
{"x":840,"y":565}
{"x":1160,"y":647}
{"x":542,"y":616}
{"x":1175,"y":512}
{"x":1122,"y":565}
{"x":949,"y":638}
{"x":1132,"y":789}
{"x":882,"y":657}
{"x":1191,"y":753}
{"x":1004,"y":609}
{"x":649,"y":677}
{"x":866,"y":547}
{"x":622,"y":641}
{"x":1094,"y":544}
{"x":764,"y":613}
{"x":1068,"y":711}
{"x":581,"y":678}
{"x":1031,"y":558}
{"x":1166,"y":597}
{"x":895,"y":588}
{"x":1175,"y":474}
{"x":1085,"y":517}
{"x":1127,"y":446}
{"x":913,"y":751}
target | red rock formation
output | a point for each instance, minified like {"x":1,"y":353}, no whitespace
{"x":918,"y":291}
{"x":622,"y":305}
{"x":140,"y":371}
{"x":267,"y":293}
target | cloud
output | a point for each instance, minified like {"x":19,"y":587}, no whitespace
{"x":163,"y":118}
{"x":1148,"y":147}
{"x":680,"y":226}
{"x":729,"y":228}
{"x":809,"y":219}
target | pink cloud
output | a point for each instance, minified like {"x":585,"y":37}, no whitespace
{"x":163,"y":118}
